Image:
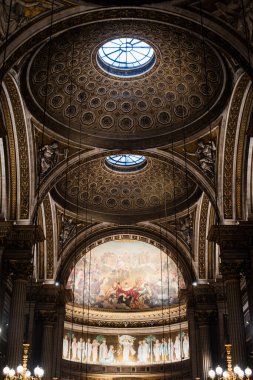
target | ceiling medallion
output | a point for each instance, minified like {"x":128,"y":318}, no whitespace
{"x":126,"y":162}
{"x":126,"y":57}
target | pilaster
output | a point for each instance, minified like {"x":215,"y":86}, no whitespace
{"x":235,"y":243}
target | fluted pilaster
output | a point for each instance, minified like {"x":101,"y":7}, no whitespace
{"x":47,"y":343}
{"x":16,"y":321}
{"x":236,"y":327}
{"x":59,"y":332}
{"x":205,"y":344}
{"x":18,"y":243}
{"x":193,"y":341}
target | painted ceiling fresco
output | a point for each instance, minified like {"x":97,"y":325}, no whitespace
{"x":125,"y":275}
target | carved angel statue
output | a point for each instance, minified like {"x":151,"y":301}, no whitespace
{"x":16,"y":13}
{"x":234,"y":14}
{"x":185,"y":229}
{"x":206,"y":155}
{"x":49,"y":156}
{"x":68,"y":228}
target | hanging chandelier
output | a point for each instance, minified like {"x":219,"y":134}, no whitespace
{"x":229,"y":373}
{"x":22,"y":372}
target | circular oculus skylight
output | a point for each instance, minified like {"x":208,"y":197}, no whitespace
{"x":126,"y":57}
{"x":126,"y":162}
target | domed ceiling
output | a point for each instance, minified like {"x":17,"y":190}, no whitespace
{"x":87,"y":105}
{"x":157,"y":190}
{"x":125,"y":275}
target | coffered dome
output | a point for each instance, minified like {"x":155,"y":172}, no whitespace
{"x":125,"y":197}
{"x":85,"y":103}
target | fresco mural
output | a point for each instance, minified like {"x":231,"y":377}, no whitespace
{"x":125,"y":275}
{"x":126,"y":349}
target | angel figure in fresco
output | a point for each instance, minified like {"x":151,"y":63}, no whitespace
{"x":88,"y":350}
{"x":140,"y":352}
{"x":186,"y":346}
{"x":110,"y":356}
{"x":170,"y":350}
{"x":156,"y":350}
{"x":177,"y":348}
{"x":127,"y":342}
{"x":145,"y":351}
{"x":74,"y":349}
{"x":163,"y":350}
{"x":95,"y":346}
{"x":103,"y":351}
{"x":65,"y":350}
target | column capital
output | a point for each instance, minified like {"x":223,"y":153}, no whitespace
{"x":202,"y":294}
{"x":232,"y":237}
{"x":20,"y":270}
{"x":49,"y":317}
{"x":23,"y":237}
{"x":5,"y":228}
{"x":203,"y":317}
{"x":232,"y":270}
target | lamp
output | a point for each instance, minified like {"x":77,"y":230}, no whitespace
{"x":22,"y":373}
{"x":229,"y":373}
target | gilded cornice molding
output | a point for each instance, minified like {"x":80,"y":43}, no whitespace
{"x":94,"y":317}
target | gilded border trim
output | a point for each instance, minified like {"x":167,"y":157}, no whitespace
{"x":230,"y":146}
{"x":22,"y":147}
{"x":12,"y":158}
{"x":49,"y":238}
{"x":240,"y":154}
{"x":202,"y":236}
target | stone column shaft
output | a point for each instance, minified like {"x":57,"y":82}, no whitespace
{"x":16,"y":323}
{"x":236,"y":321}
{"x":59,"y":332}
{"x":205,"y":352}
{"x":47,"y":349}
{"x":221,"y":312}
{"x":193,"y":342}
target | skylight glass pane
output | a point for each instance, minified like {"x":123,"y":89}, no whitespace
{"x":128,"y":56}
{"x":125,"y":160}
